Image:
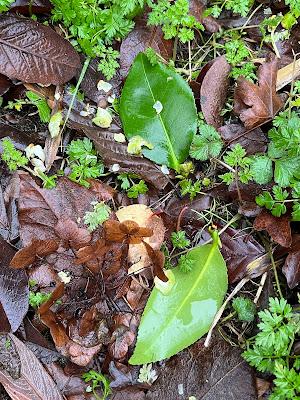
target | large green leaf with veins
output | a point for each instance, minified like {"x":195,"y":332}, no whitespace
{"x":158,"y":105}
{"x":174,"y":321}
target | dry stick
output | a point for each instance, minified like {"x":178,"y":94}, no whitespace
{"x":221,"y":310}
{"x":261,"y":286}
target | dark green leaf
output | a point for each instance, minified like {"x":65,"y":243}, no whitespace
{"x":170,"y":130}
{"x":261,"y":170}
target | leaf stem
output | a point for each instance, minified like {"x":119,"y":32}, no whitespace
{"x":275,"y":273}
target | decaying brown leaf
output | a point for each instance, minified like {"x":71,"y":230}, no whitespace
{"x":38,"y":248}
{"x":31,"y":382}
{"x":278,"y":228}
{"x":213,"y":91}
{"x":14,"y":291}
{"x":257,"y":104}
{"x":128,"y":232}
{"x":35,"y":53}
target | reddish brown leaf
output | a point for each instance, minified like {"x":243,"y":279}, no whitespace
{"x":126,"y":232}
{"x":254,"y":141}
{"x":92,"y":252}
{"x":38,"y":248}
{"x":214,"y":91}
{"x":5,"y":84}
{"x":41,"y":210}
{"x":123,"y":336}
{"x":138,"y":40}
{"x":278,"y":228}
{"x":14,"y":290}
{"x":291,"y":269}
{"x":257,"y":104}
{"x":35,"y":53}
{"x":32,"y":381}
{"x":70,"y":233}
{"x":57,"y":293}
{"x":27,"y":7}
{"x":134,"y":294}
{"x":158,"y":261}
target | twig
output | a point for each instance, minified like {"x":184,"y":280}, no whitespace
{"x":275,"y":273}
{"x":261,"y":286}
{"x":221,"y":310}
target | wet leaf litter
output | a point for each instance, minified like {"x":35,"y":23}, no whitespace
{"x":149,"y":200}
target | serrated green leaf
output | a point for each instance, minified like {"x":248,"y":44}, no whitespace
{"x":261,"y":170}
{"x":174,"y":321}
{"x":285,"y":169}
{"x":171,"y":131}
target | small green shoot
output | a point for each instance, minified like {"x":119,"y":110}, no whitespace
{"x":13,"y":158}
{"x":95,"y":218}
{"x":207,"y":144}
{"x":136,"y":189}
{"x":35,"y":100}
{"x":97,"y":380}
{"x":245,"y":309}
{"x":83,"y":161}
{"x":179,"y":240}
{"x":187,"y":187}
{"x":38,"y":298}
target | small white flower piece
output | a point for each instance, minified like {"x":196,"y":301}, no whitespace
{"x":180,"y":389}
{"x":65,"y":277}
{"x":119,"y":137}
{"x":115,"y":168}
{"x":38,"y":164}
{"x":57,"y":95}
{"x":111,"y":98}
{"x":105,"y":86}
{"x":88,"y":110}
{"x":147,"y":374}
{"x":165,"y":170}
{"x":103,"y":118}
{"x":35,"y":151}
{"x":158,"y":107}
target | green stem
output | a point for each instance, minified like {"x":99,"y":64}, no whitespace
{"x":82,"y":74}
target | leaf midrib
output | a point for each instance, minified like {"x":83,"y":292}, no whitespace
{"x":169,"y":321}
{"x":169,"y":143}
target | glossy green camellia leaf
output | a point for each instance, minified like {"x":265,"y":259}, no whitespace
{"x":158,"y":105}
{"x":174,"y":321}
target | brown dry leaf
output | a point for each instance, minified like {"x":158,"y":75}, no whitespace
{"x":124,"y":335}
{"x":213,"y":91}
{"x":38,"y":248}
{"x":144,"y":217}
{"x":34,"y":53}
{"x":291,"y":269}
{"x":31,"y":382}
{"x":14,"y":291}
{"x":278,"y":228}
{"x":128,"y":232}
{"x":138,"y":40}
{"x":5,"y":84}
{"x":29,"y":7}
{"x":257,"y":104}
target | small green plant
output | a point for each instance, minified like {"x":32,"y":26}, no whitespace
{"x":97,"y":380}
{"x":95,"y":218}
{"x":83,"y":161}
{"x":174,"y":19}
{"x":187,"y":187}
{"x":241,"y":7}
{"x":5,"y":4}
{"x":132,"y":188}
{"x":271,"y":349}
{"x":179,"y":240}
{"x":236,"y":51}
{"x":237,"y":160}
{"x":13,"y":158}
{"x":35,"y":100}
{"x":268,"y":28}
{"x":246,"y":70}
{"x":38,"y":298}
{"x":185,"y":263}
{"x":245,"y":309}
{"x":207,"y":144}
{"x":93,"y":26}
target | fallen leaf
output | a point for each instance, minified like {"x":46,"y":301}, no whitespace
{"x":288,"y":74}
{"x":291,"y":269}
{"x":278,"y":228}
{"x":35,"y":53}
{"x":28,"y":7}
{"x":38,"y":248}
{"x":14,"y":290}
{"x":115,"y":154}
{"x":41,"y":211}
{"x":213,"y":91}
{"x":257,"y":104}
{"x":253,"y":142}
{"x":128,"y":232}
{"x":143,"y":217}
{"x":32,"y":382}
{"x":5,"y":84}
{"x":218,"y":372}
{"x":139,"y":39}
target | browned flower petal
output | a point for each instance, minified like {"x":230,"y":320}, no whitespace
{"x":113,"y":232}
{"x":38,"y":248}
{"x":158,"y":259}
{"x":56,"y":294}
{"x":129,"y":227}
{"x":88,"y":253}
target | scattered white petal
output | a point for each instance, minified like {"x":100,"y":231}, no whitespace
{"x":158,"y":107}
{"x":37,"y":163}
{"x":39,"y":152}
{"x":65,"y":277}
{"x":105,"y":86}
{"x":84,"y":113}
{"x":192,"y":398}
{"x":119,"y":137}
{"x":29,"y":151}
{"x":111,"y":98}
{"x":115,"y":167}
{"x":165,"y":170}
{"x":103,"y":118}
{"x":180,"y":389}
{"x":57,"y":95}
